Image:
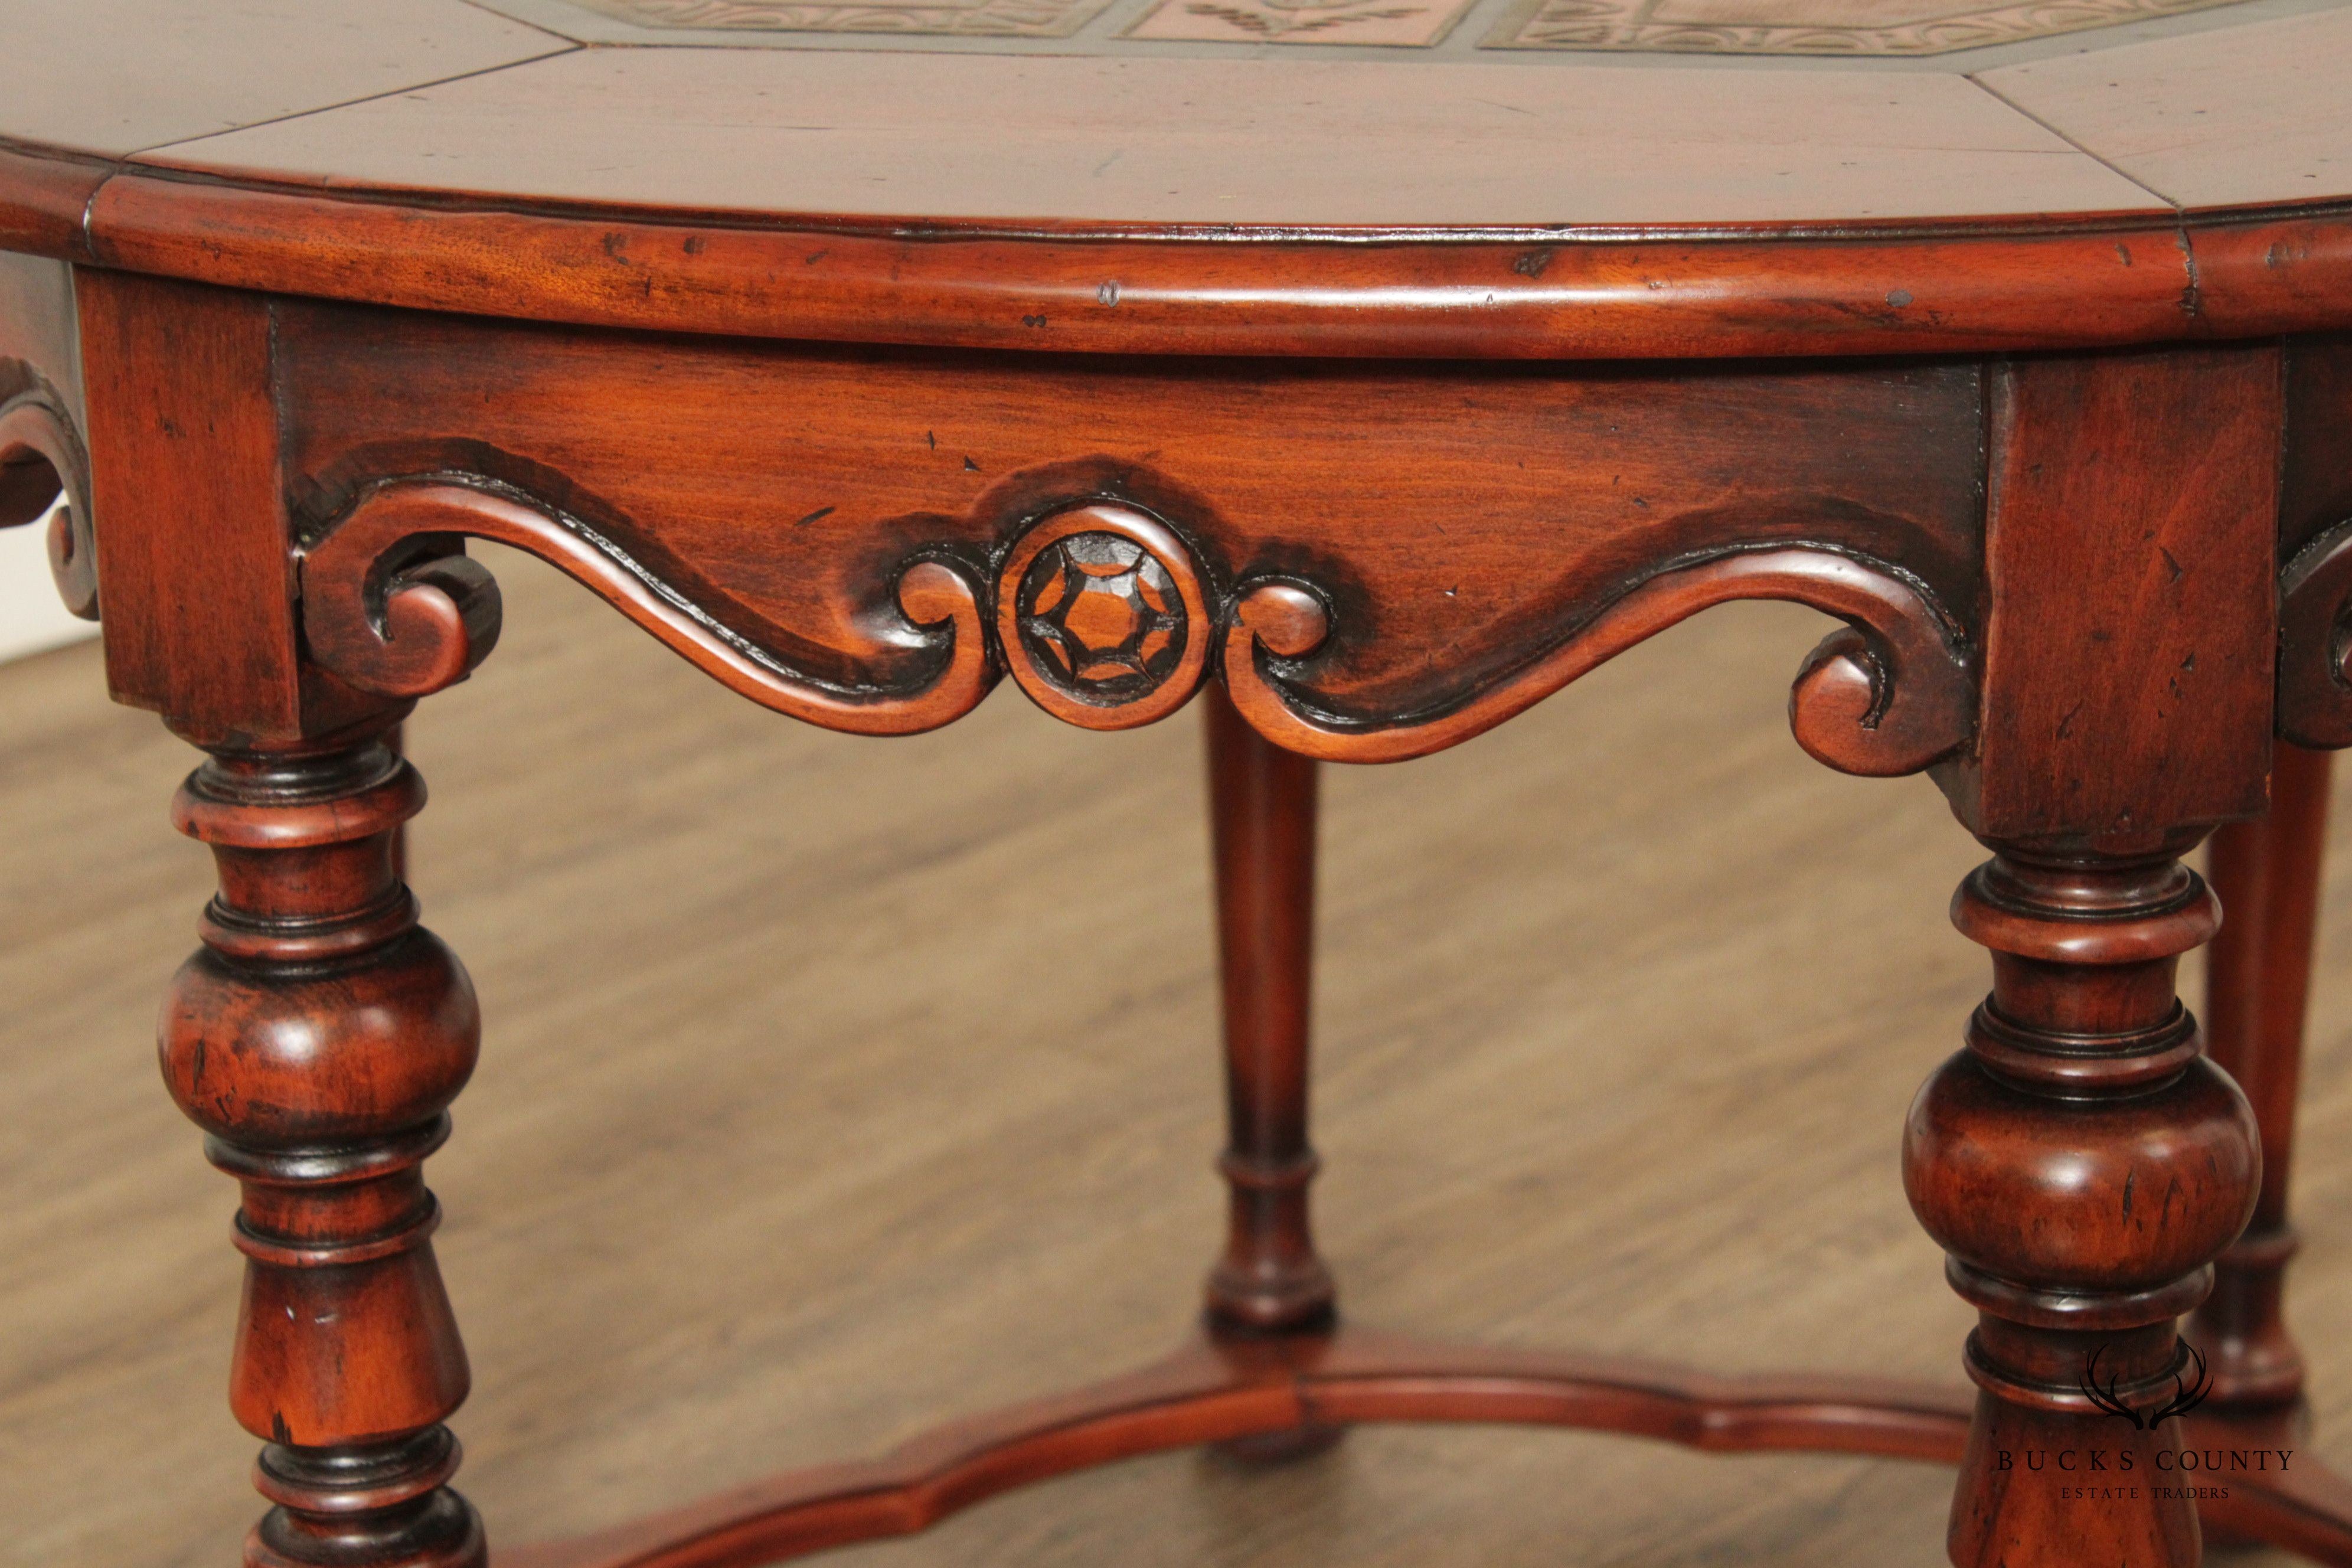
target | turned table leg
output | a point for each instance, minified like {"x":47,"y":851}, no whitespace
{"x":318,"y":1037}
{"x":2080,"y":1160}
{"x":2081,"y":1164}
{"x":2266,"y":872}
{"x":1262,"y":804}
{"x":1261,"y":827}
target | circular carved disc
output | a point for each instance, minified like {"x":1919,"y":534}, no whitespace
{"x":1101,"y":615}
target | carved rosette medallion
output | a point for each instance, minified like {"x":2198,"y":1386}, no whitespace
{"x":1104,"y":614}
{"x":1102,"y":619}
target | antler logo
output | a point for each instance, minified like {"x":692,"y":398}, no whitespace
{"x":2191,"y":1383}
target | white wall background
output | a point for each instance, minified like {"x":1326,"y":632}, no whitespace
{"x":31,"y":618}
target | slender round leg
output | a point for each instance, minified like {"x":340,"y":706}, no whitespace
{"x":1262,"y":815}
{"x":1262,"y":828}
{"x":2267,"y":875}
{"x":2082,"y":1164}
{"x":318,"y":1037}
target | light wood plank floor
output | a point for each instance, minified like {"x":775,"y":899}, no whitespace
{"x":834,"y":1086}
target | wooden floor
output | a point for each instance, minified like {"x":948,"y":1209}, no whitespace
{"x":832,"y":1086}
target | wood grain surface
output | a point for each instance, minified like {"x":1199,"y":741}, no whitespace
{"x":1530,"y":204}
{"x":1543,"y":293}
{"x":798,"y":1144}
{"x":2127,"y":542}
{"x":1373,"y":481}
{"x":183,"y":377}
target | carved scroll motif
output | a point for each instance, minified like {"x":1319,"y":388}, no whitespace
{"x":1890,"y":693}
{"x":390,"y":608}
{"x":1106,"y":617}
{"x":40,"y":458}
{"x":2315,"y":678}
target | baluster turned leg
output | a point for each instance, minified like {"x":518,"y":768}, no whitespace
{"x":1262,"y":819}
{"x":318,"y":1037}
{"x":2267,"y":874}
{"x":2082,"y":1164}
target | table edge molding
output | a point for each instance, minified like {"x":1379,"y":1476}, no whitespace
{"x":1555,"y":292}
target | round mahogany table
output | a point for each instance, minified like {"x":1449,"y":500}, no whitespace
{"x":1371,"y":369}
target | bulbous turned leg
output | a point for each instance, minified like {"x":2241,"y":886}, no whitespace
{"x":317,"y":1038}
{"x":2081,"y":1164}
{"x":2267,"y":874}
{"x":1261,"y":821}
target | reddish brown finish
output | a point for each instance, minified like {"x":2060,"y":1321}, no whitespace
{"x":2156,"y":192}
{"x":2315,"y":692}
{"x":1262,"y":804}
{"x":1137,"y":527}
{"x":2283,"y":272}
{"x":387,"y":613}
{"x":1239,"y":1388}
{"x":857,"y":465}
{"x":2314,"y":699}
{"x":1889,"y":695}
{"x":317,"y":1038}
{"x":202,"y":622}
{"x":1102,"y":618}
{"x":2128,"y":548}
{"x":395,"y":740}
{"x":893,"y":601}
{"x":49,"y":193}
{"x":2315,"y":490}
{"x":2082,"y":1164}
{"x":848,"y":592}
{"x":196,"y":561}
{"x":2267,"y":874}
{"x":1532,"y":293}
